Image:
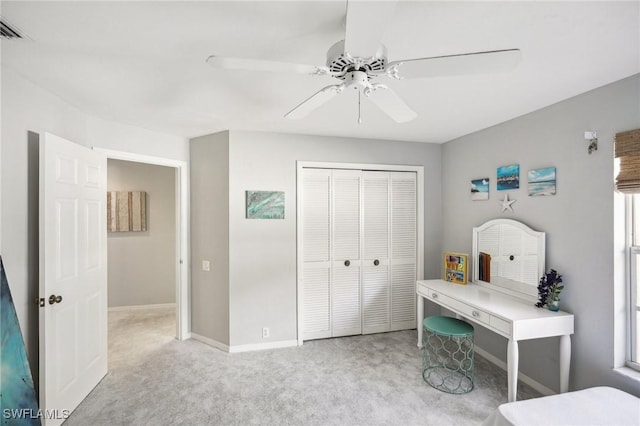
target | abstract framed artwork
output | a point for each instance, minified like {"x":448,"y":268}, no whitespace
{"x":508,"y":177}
{"x":542,"y":182}
{"x":126,"y":211}
{"x":480,"y":189}
{"x":265,"y":204}
{"x":18,"y":403}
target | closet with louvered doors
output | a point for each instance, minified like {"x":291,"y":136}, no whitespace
{"x":359,"y":252}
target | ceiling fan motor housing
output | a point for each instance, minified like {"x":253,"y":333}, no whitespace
{"x":341,"y":63}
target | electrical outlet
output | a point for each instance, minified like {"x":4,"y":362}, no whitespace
{"x":265,"y":332}
{"x":206,"y":265}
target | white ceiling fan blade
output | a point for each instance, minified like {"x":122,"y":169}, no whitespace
{"x":260,"y":65}
{"x":467,"y":63}
{"x":390,"y":103}
{"x":315,"y":101}
{"x":366,"y":23}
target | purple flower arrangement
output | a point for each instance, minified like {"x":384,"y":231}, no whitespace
{"x":549,"y":288}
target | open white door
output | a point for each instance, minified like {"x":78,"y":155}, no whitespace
{"x":73,"y":275}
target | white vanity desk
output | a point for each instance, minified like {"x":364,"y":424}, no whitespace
{"x":513,"y":317}
{"x":506,"y":315}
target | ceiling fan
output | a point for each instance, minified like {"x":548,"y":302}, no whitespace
{"x":359,"y":59}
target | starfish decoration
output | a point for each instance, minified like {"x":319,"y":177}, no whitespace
{"x":506,"y":204}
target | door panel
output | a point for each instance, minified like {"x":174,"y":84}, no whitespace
{"x":73,"y":266}
{"x":316,"y":273}
{"x":345,"y":300}
{"x":317,"y":298}
{"x":359,"y":252}
{"x":346,"y":215}
{"x":403,"y":296}
{"x":375,"y":295}
{"x":403,"y":250}
{"x":345,"y":286}
{"x":375,"y":280}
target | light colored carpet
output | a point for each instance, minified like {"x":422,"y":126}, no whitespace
{"x":362,"y":380}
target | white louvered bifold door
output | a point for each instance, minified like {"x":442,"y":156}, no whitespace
{"x":403,"y":250}
{"x":316,"y":275}
{"x":375,"y":270}
{"x":346,"y":316}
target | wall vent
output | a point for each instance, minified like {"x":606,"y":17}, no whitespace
{"x":9,"y":32}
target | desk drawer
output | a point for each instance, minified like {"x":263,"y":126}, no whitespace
{"x":459,"y":307}
{"x":500,"y":325}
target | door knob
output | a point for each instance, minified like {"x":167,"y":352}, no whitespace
{"x":376,"y":262}
{"x":54,"y":299}
{"x":347,"y":263}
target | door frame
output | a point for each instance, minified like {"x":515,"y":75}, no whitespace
{"x":419,"y":170}
{"x":183,"y":304}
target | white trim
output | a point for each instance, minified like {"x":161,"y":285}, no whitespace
{"x":419,"y":170}
{"x":183,"y":313}
{"x":244,"y":348}
{"x":262,"y":346}
{"x":208,"y":341}
{"x":629,"y":373}
{"x":141,"y":307}
{"x":522,"y":377}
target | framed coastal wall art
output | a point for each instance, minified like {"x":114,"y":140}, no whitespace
{"x":541,"y":182}
{"x":265,"y":204}
{"x":508,"y":177}
{"x":480,"y":189}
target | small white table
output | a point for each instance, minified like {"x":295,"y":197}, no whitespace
{"x":509,"y":316}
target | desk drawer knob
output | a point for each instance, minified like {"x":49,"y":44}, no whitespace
{"x":434,"y":295}
{"x":476,"y":314}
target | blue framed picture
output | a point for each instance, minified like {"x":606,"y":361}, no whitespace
{"x":542,"y":182}
{"x":265,"y":204}
{"x":480,"y":189}
{"x":508,"y":177}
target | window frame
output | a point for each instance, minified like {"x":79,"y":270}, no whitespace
{"x":632,"y":204}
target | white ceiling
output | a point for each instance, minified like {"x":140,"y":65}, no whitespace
{"x":143,"y":63}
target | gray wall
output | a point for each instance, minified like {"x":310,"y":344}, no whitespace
{"x":27,"y":111}
{"x":262,"y":261}
{"x":578,"y":220}
{"x":210,"y":236}
{"x":142,"y":265}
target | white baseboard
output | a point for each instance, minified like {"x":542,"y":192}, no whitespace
{"x":524,"y":378}
{"x":243,"y":348}
{"x":209,"y":342}
{"x":263,"y":346}
{"x":141,"y":307}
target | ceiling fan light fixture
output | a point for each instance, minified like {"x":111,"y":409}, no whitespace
{"x":347,"y":60}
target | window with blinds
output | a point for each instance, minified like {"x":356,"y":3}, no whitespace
{"x":627,"y":150}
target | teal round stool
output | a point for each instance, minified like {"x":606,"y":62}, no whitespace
{"x":447,"y":345}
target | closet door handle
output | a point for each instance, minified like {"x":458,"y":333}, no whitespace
{"x":376,"y":262}
{"x":347,"y":263}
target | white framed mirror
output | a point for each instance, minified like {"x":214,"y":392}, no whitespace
{"x":508,"y":256}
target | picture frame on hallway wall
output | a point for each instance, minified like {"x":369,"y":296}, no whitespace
{"x":126,"y":211}
{"x":264,"y":204}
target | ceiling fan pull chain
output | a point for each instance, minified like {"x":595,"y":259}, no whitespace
{"x":359,"y":111}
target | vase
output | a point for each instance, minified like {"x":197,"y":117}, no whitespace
{"x":554,"y":305}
